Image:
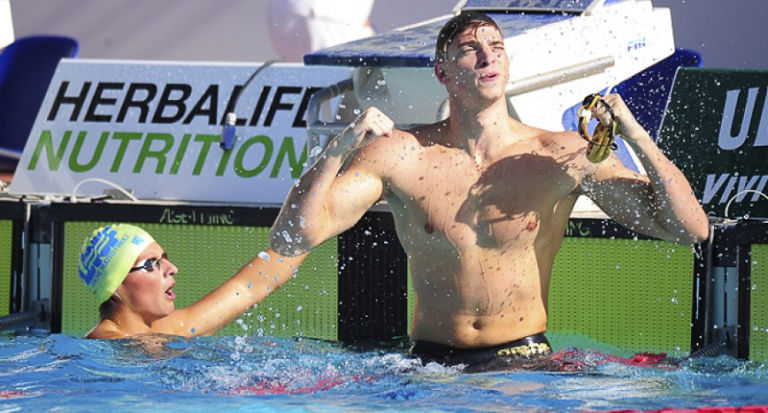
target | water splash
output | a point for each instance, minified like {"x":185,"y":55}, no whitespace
{"x":228,"y":373}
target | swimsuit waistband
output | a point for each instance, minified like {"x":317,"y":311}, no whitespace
{"x":526,"y":346}
{"x":530,"y":346}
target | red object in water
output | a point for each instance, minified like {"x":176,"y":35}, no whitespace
{"x":12,"y":394}
{"x":573,"y":359}
{"x":267,"y":387}
{"x":712,"y":409}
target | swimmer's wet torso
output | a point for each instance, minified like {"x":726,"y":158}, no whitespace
{"x":481,"y":201}
{"x":480,"y":235}
{"x":480,"y":228}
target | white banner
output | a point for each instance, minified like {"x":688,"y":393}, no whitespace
{"x":154,"y":128}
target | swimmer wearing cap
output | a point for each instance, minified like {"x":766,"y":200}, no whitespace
{"x":131,"y":276}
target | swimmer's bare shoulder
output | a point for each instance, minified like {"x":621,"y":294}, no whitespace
{"x":386,"y":156}
{"x":567,"y":140}
{"x":105,"y":330}
{"x":564,"y":146}
{"x":428,"y":135}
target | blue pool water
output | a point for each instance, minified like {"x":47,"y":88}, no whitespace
{"x":258,"y":374}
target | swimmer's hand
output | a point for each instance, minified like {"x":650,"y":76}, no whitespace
{"x":601,"y":141}
{"x":370,"y":125}
{"x":615,"y":108}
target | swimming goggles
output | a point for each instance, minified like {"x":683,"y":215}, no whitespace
{"x":152,"y":264}
{"x":601,"y":143}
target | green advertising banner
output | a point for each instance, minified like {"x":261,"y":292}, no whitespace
{"x":716,"y":131}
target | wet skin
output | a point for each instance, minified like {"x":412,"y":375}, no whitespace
{"x":481,"y":201}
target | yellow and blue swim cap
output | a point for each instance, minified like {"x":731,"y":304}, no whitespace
{"x":108,"y":255}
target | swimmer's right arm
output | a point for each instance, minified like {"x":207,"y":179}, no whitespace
{"x":326,"y":201}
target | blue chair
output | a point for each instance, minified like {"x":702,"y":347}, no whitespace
{"x":26,"y":69}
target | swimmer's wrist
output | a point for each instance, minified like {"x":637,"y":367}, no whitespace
{"x":338,"y":146}
{"x":634,"y":133}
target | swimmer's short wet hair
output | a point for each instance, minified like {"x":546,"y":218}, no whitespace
{"x":465,"y":20}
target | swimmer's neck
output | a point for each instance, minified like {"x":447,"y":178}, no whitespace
{"x":124,"y":323}
{"x":481,"y":132}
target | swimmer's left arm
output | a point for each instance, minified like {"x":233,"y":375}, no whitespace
{"x":661,"y":204}
{"x":249,"y":286}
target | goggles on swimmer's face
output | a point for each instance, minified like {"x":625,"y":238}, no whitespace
{"x":151,"y":264}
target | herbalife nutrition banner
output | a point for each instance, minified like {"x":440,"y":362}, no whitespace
{"x":154,"y":128}
{"x":716,"y":130}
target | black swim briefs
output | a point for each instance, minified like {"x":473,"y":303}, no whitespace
{"x":528,"y":353}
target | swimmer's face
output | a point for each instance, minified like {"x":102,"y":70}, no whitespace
{"x":475,"y":61}
{"x":148,"y":288}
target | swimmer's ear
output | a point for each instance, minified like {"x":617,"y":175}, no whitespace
{"x":117,"y":295}
{"x":440,"y":73}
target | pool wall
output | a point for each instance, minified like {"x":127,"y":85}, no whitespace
{"x":609,"y":284}
{"x":13,"y":216}
{"x":758,"y":311}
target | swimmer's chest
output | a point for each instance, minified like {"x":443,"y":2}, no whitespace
{"x":464,"y":202}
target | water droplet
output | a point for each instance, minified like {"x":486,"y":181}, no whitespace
{"x":265,"y":256}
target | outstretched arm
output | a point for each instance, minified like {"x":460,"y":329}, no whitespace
{"x":327,"y":200}
{"x":254,"y":282}
{"x":661,"y":204}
